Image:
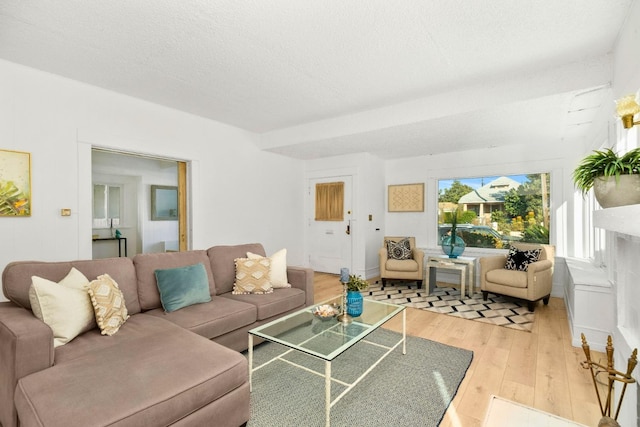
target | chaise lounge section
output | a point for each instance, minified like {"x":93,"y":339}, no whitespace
{"x":161,"y":368}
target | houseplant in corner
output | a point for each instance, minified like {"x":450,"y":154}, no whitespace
{"x":354,"y":297}
{"x":615,"y":179}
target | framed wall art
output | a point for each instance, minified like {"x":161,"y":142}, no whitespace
{"x":164,"y":203}
{"x":15,"y":183}
{"x":406,"y":198}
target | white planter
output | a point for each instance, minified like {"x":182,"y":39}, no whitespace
{"x":611,"y":193}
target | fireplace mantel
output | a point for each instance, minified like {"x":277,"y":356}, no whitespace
{"x":623,"y":219}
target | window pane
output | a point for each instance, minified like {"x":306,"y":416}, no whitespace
{"x":496,"y":210}
{"x":114,"y":202}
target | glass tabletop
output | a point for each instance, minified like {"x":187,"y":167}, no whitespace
{"x":329,"y":338}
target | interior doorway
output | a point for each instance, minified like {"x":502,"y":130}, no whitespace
{"x":330,"y":232}
{"x":141,"y":199}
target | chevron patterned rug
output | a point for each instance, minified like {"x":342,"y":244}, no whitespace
{"x":497,"y":310}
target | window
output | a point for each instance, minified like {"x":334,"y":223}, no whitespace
{"x":107,"y":200}
{"x":493,"y":211}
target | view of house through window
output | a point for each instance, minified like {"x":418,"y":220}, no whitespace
{"x":492,"y":211}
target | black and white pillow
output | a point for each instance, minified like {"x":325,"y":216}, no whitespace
{"x":400,"y":249}
{"x":519,"y":260}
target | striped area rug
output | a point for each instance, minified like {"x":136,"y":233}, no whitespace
{"x":497,"y":310}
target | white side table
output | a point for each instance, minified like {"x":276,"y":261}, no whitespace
{"x":465,"y":265}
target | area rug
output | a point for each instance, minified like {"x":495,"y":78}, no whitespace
{"x":497,"y":310}
{"x":408,"y":390}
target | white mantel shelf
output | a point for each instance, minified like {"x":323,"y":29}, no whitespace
{"x":623,"y":219}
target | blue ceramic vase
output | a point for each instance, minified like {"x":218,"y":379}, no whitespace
{"x":354,"y":303}
{"x":453,"y":249}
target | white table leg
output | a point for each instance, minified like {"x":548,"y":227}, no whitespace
{"x":463,"y":273}
{"x":250,"y":361}
{"x":404,"y":331}
{"x":327,"y":393}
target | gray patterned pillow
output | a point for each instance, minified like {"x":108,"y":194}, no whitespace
{"x":400,"y":249}
{"x":519,"y":260}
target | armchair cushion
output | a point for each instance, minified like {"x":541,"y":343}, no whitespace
{"x":399,"y":250}
{"x":401,"y":265}
{"x":502,"y":276}
{"x":520,"y":260}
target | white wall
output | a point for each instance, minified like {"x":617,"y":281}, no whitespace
{"x":623,"y":255}
{"x":238,"y":193}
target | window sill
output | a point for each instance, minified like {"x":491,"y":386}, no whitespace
{"x":623,"y":219}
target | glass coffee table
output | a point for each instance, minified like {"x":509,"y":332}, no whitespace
{"x":299,"y":332}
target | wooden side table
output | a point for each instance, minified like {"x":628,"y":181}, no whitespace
{"x":465,"y":265}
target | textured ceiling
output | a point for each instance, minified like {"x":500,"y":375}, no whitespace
{"x":393,"y":78}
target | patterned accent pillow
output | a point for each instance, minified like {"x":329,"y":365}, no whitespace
{"x":108,"y":304}
{"x":400,"y":249}
{"x":519,"y":260}
{"x":252,"y":276}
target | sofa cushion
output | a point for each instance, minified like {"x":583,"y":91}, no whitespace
{"x":223,"y":266}
{"x":252,"y":276}
{"x":64,"y":306}
{"x":513,"y":278}
{"x":211,"y":319}
{"x":108,"y":303}
{"x":277,"y":269}
{"x":147,"y":264}
{"x":273,"y":304}
{"x":158,"y":378}
{"x":183,"y":286}
{"x":16,"y":277}
{"x":520,"y":259}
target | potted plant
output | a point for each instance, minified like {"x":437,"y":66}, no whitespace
{"x":354,"y":297}
{"x":453,"y":245}
{"x":615,"y":179}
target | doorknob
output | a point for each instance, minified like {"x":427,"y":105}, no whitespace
{"x":348,"y":231}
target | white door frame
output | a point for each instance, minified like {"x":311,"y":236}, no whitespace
{"x":308,"y":209}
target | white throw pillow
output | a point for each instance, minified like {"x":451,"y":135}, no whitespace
{"x":278,"y":270}
{"x":64,"y":306}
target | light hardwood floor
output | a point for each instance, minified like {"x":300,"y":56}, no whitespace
{"x":539,"y":368}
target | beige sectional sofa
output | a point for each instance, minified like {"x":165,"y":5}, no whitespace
{"x":181,"y":368}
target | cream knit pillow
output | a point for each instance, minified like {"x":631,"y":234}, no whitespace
{"x":64,"y":306}
{"x":278,"y":269}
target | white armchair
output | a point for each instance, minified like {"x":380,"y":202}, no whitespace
{"x":531,"y":285}
{"x":404,"y":269}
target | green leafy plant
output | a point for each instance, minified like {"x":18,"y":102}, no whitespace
{"x":536,"y":234}
{"x":605,"y":163}
{"x":357,"y":283}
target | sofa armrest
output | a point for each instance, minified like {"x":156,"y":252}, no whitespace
{"x":302,"y":278}
{"x":540,"y":279}
{"x":418,"y":256}
{"x":537,"y":266}
{"x":26,"y":346}
{"x":490,"y":263}
{"x":383,"y":255}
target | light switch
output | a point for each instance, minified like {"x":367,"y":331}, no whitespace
{"x":370,"y":217}
{"x":65,"y":212}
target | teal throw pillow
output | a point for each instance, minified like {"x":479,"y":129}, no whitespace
{"x":183,"y":286}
